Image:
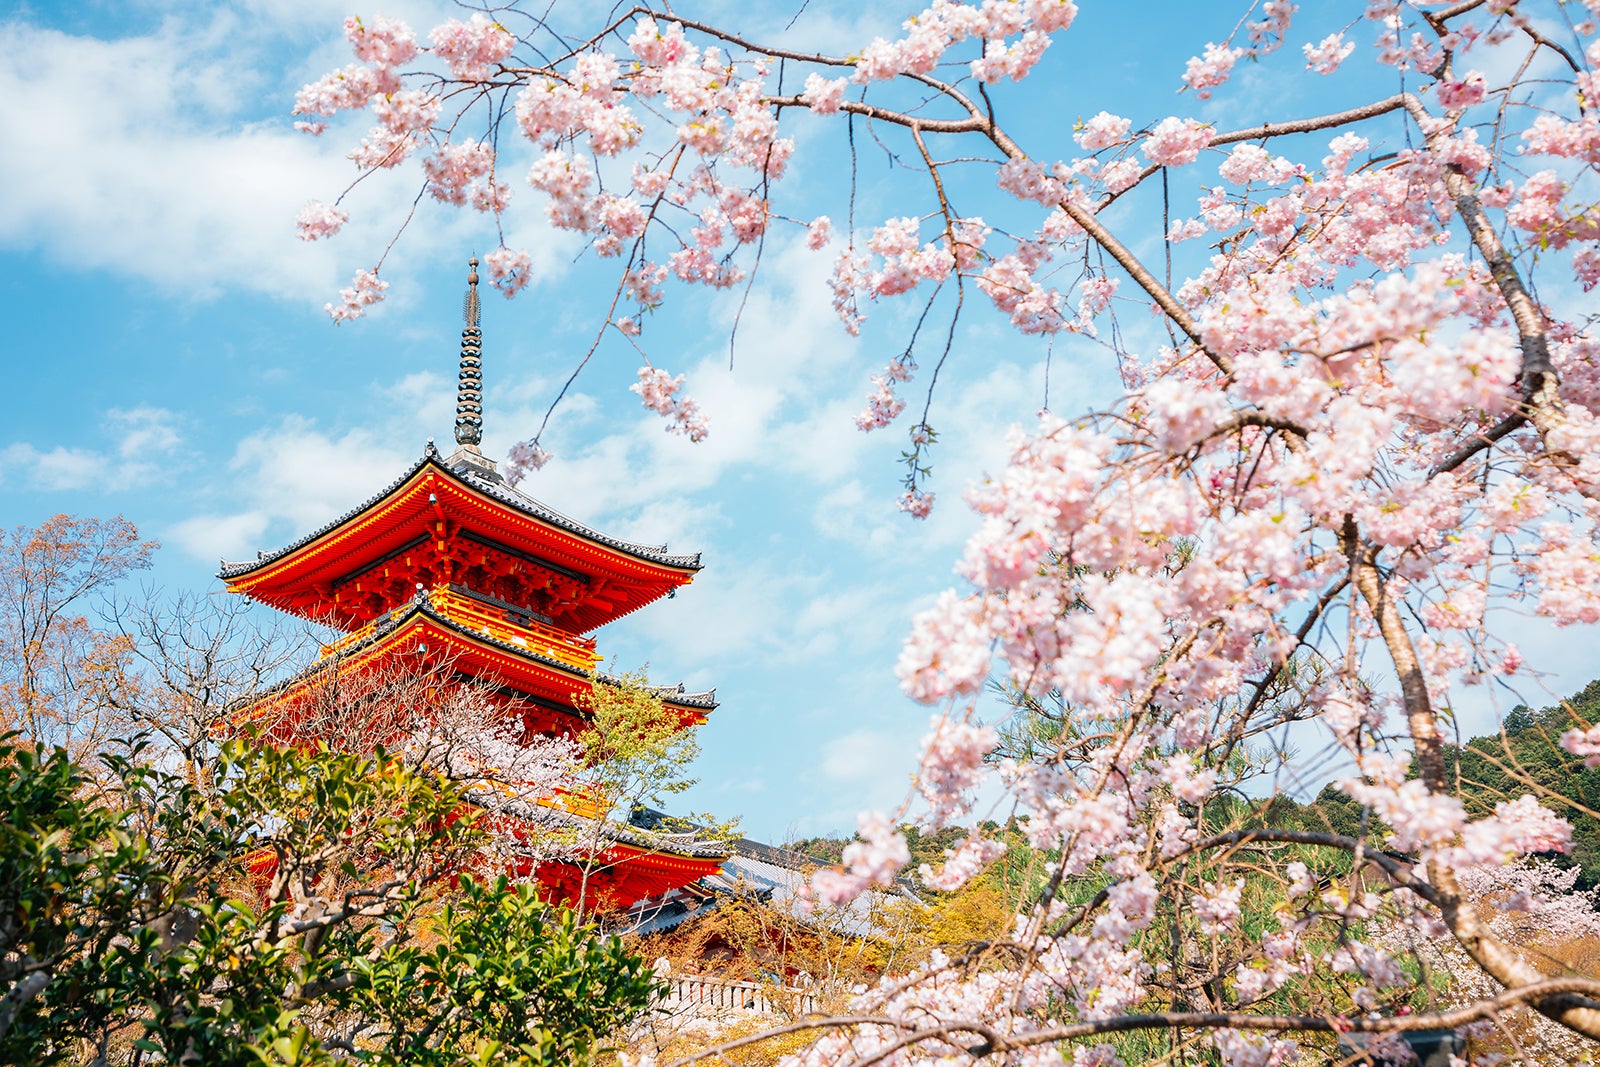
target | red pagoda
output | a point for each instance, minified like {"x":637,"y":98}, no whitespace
{"x":453,"y":561}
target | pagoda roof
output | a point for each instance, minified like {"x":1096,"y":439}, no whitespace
{"x":613,"y":833}
{"x":525,"y":668}
{"x":300,"y":576}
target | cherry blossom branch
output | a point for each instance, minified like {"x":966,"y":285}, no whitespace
{"x":1327,"y":598}
{"x":1421,"y":720}
{"x":1330,"y":121}
{"x":1541,"y":398}
{"x":941,"y":88}
{"x":1575,"y":989}
{"x":1449,"y":13}
{"x":1268,"y":130}
{"x":978,"y":121}
{"x":1493,"y":955}
{"x":1135,"y":269}
{"x":1396,"y":867}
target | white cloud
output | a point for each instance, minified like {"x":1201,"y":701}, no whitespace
{"x":59,"y":468}
{"x":305,"y":478}
{"x":736,"y":611}
{"x":863,"y":763}
{"x":144,"y":437}
{"x":141,"y":181}
{"x":145,"y":430}
{"x":170,"y":158}
{"x":425,"y":399}
{"x":292,"y":478}
{"x":220,"y":537}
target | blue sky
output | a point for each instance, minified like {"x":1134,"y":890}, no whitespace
{"x":168,"y":358}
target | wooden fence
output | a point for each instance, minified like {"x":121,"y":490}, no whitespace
{"x":695,"y":994}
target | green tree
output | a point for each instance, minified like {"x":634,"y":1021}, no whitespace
{"x":297,"y":907}
{"x":636,"y":751}
{"x":1526,"y":757}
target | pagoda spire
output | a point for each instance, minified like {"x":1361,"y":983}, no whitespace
{"x":469,"y":390}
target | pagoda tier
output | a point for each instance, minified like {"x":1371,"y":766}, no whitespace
{"x":627,"y":872}
{"x":455,"y":524}
{"x":534,"y":671}
{"x":608,"y":864}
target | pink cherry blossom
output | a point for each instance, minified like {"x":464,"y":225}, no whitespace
{"x":960,"y":866}
{"x":1207,"y":72}
{"x":824,"y":95}
{"x":1585,"y":743}
{"x":1462,"y":92}
{"x":384,"y":43}
{"x":509,"y":270}
{"x":875,"y":860}
{"x":952,"y":766}
{"x":456,"y":172}
{"x":659,"y":392}
{"x":1187,"y":230}
{"x":319,"y":220}
{"x":474,"y":49}
{"x":1012,"y":61}
{"x":1242,"y":1048}
{"x":917,"y":503}
{"x":347,"y":89}
{"x":523,"y":458}
{"x":818,"y":232}
{"x":1189,"y":783}
{"x":1174,"y":142}
{"x":1102,"y":131}
{"x":366,"y":290}
{"x":1217,"y":906}
{"x":883,"y":406}
{"x":1325,"y":56}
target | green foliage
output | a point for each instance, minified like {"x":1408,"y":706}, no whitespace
{"x":1527,"y":758}
{"x":930,"y":848}
{"x":505,"y":976}
{"x":637,"y":750}
{"x":1332,"y":812}
{"x":825,"y":850}
{"x":289,"y":906}
{"x":71,"y":880}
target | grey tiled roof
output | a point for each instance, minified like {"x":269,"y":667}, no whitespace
{"x":522,"y":502}
{"x":489,"y":487}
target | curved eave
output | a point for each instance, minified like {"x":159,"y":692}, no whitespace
{"x":674,"y":695}
{"x":628,"y":877}
{"x":632,"y":842}
{"x":229,"y":572}
{"x":249,"y":572}
{"x":505,"y":494}
{"x":697,"y":705}
{"x":692,"y":707}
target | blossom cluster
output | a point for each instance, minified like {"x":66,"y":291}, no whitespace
{"x":659,"y":392}
{"x":873,"y":860}
{"x":363,"y":291}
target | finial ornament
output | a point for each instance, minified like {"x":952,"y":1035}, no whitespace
{"x":469,"y":306}
{"x":469,"y":390}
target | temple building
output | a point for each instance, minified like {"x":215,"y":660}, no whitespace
{"x":452,"y":564}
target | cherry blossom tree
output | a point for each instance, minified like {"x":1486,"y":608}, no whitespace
{"x":1365,"y":434}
